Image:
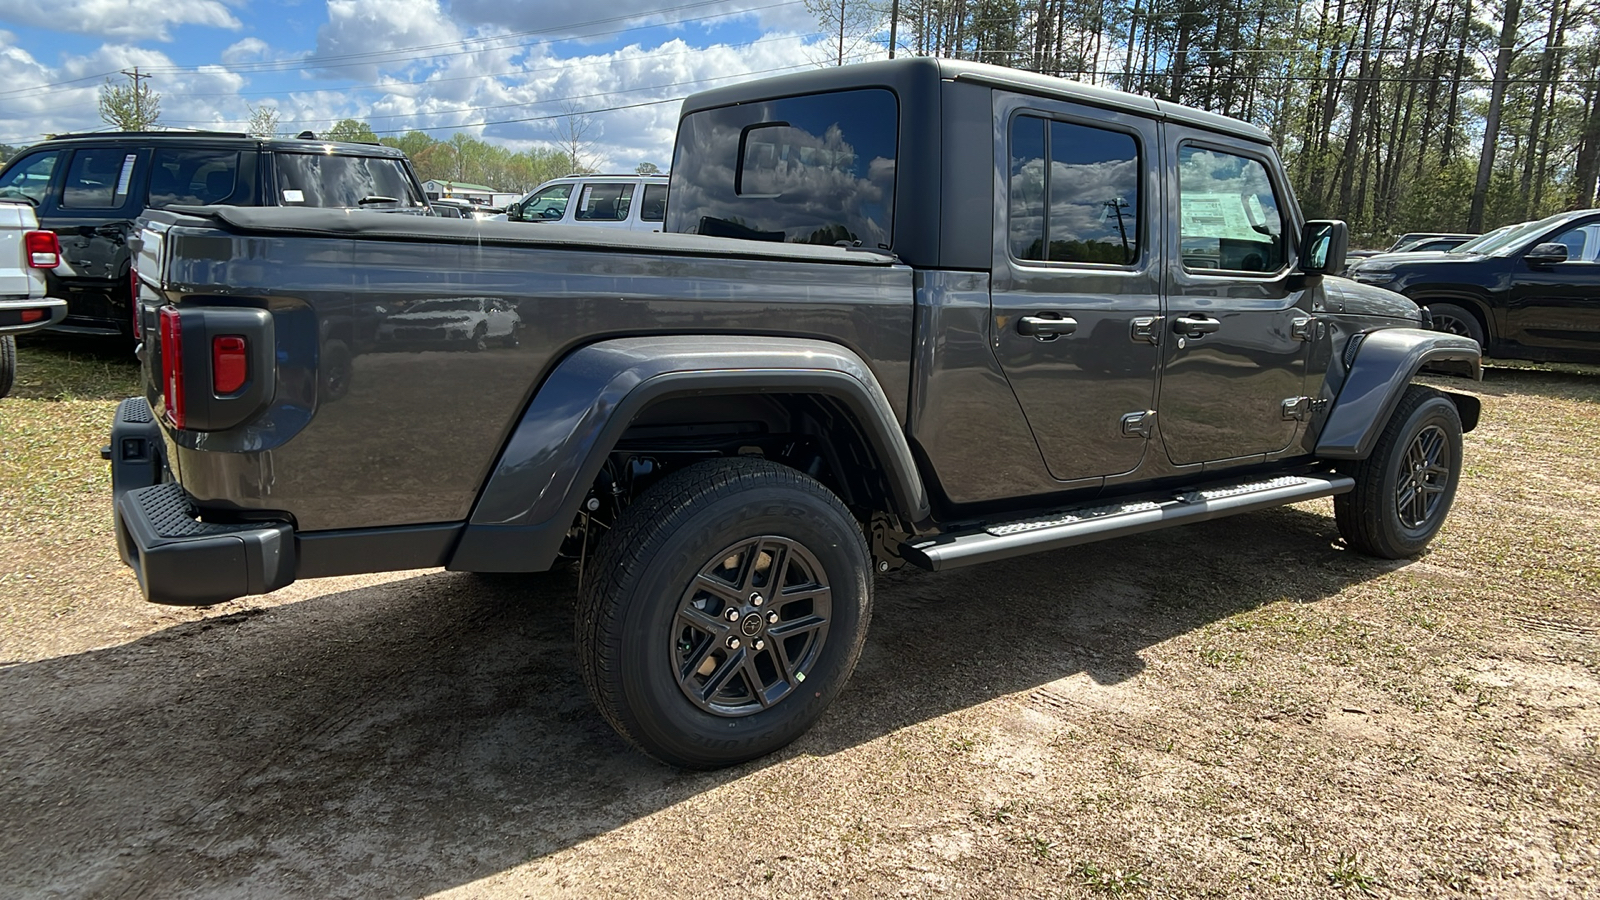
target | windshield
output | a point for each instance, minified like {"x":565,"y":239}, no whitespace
{"x":1508,"y":237}
{"x":344,"y":182}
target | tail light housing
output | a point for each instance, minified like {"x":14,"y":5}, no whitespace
{"x":44,"y":249}
{"x":172,"y":387}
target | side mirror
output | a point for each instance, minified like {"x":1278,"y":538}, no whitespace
{"x":1546,"y":254}
{"x":1323,"y":243}
{"x":514,"y":212}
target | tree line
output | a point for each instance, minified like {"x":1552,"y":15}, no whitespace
{"x":1395,"y":115}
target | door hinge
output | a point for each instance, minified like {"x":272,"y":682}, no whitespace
{"x":1303,"y":329}
{"x":1146,"y":330}
{"x":1139,"y":424}
{"x":1296,"y":408}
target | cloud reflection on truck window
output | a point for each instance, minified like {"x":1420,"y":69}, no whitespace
{"x":818,"y":169}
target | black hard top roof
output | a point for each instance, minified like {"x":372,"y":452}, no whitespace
{"x":888,"y":73}
{"x":214,"y":138}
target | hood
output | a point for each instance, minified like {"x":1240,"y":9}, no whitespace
{"x":1420,"y":256}
{"x":1356,"y":299}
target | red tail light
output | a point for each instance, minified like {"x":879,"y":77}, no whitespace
{"x":44,"y":249}
{"x":32,"y":315}
{"x":172,"y":365}
{"x":135,"y":305}
{"x":228,"y":364}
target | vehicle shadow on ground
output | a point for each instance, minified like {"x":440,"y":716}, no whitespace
{"x":421,"y":734}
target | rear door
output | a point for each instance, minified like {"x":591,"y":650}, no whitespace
{"x":1076,"y":277}
{"x":1235,"y":347}
{"x":653,"y":208}
{"x":603,"y":203}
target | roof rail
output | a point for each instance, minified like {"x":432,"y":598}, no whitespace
{"x":175,"y":132}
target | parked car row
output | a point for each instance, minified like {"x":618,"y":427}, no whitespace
{"x":1526,"y":291}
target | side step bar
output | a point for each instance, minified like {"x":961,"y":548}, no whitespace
{"x":1096,"y":523}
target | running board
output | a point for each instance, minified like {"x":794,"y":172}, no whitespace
{"x":1097,"y":523}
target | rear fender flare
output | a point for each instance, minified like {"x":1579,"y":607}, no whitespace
{"x":1385,"y":362}
{"x":556,"y":450}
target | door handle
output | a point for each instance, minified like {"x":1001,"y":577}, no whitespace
{"x":1195,"y":326}
{"x":1045,"y":327}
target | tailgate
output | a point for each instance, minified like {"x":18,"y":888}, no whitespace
{"x":16,"y":280}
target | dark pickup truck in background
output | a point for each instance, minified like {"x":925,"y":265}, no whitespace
{"x":91,"y":188}
{"x":868,"y":338}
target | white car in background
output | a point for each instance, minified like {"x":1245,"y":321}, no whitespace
{"x":465,"y":322}
{"x":26,"y":252}
{"x":632,"y":202}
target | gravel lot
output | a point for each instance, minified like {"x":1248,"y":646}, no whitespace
{"x":1235,"y":707}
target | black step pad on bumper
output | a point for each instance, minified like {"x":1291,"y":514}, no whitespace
{"x":183,"y":561}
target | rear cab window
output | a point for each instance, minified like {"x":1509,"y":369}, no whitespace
{"x":338,"y":181}
{"x":817,"y":169}
{"x":654,"y":207}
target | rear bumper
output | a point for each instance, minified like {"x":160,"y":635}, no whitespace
{"x":178,"y":558}
{"x":12,"y":308}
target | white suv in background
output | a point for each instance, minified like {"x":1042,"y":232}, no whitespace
{"x":633,"y":202}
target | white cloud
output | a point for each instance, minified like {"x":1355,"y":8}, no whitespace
{"x":247,"y":50}
{"x":124,"y":19}
{"x":579,"y":18}
{"x":358,"y":29}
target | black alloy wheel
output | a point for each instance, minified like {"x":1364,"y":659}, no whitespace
{"x":751,"y":625}
{"x":723,"y":611}
{"x":1405,"y":487}
{"x":1423,"y":478}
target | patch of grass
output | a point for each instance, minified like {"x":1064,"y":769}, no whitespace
{"x":1040,"y":846}
{"x":1350,"y":873}
{"x":51,"y":367}
{"x":1112,"y":882}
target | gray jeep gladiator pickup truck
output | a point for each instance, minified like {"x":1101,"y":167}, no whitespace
{"x":916,"y":312}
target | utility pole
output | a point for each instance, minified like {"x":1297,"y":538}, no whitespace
{"x":894,"y":23}
{"x":138,"y":95}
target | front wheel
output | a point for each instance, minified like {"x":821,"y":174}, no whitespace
{"x":1452,"y":319}
{"x":8,"y":364}
{"x":726,"y":610}
{"x":1404,"y":489}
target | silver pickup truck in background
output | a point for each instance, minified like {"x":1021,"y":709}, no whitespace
{"x":26,"y":253}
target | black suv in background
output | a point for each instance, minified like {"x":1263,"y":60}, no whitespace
{"x":89,"y":189}
{"x":1529,"y":291}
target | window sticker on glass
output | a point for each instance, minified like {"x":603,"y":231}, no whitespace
{"x":293,"y":196}
{"x":127,"y":173}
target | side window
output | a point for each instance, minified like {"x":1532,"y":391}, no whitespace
{"x":1580,"y":243}
{"x":192,"y":177}
{"x":99,"y":178}
{"x":604,"y":202}
{"x":1084,"y":206}
{"x":549,"y":203}
{"x":655,"y":203}
{"x":30,"y":177}
{"x":1229,"y":215}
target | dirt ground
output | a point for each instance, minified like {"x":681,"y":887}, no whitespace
{"x":1241,"y":707}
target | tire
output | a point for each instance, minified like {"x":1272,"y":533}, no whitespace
{"x":1452,"y":319}
{"x":337,"y":370}
{"x":652,"y":627}
{"x":1375,"y":518}
{"x":8,"y":364}
{"x":480,"y":339}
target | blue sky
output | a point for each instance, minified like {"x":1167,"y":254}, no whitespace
{"x":397,"y":64}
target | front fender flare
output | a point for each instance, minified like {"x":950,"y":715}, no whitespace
{"x":557,"y":448}
{"x":1385,"y":362}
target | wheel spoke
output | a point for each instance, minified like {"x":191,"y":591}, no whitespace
{"x":784,"y":630}
{"x":696,"y":617}
{"x":752,"y":677}
{"x":719,"y":678}
{"x":718,"y":588}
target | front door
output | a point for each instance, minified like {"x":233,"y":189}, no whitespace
{"x":1238,"y":319}
{"x":1076,"y":273}
{"x":1557,"y":306}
